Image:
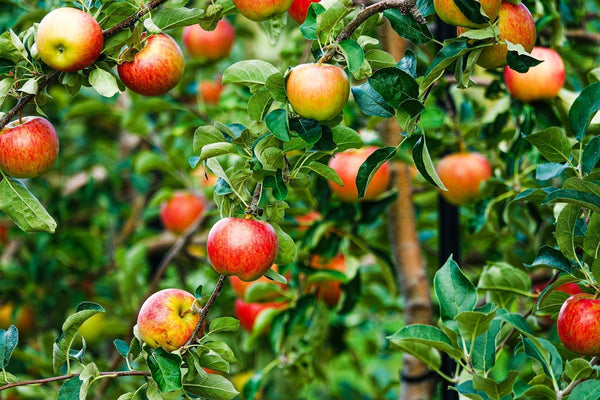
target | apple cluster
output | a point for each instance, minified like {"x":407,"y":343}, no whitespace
{"x":514,"y":21}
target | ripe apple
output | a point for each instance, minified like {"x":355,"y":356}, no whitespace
{"x":570,"y":288}
{"x":210,"y":91}
{"x":245,"y":248}
{"x":3,"y":232}
{"x":347,"y":164}
{"x":260,"y":10}
{"x":306,"y":220}
{"x":578,"y":324}
{"x":28,"y":148}
{"x":156,"y":68}
{"x":517,"y":26}
{"x":318,"y":91}
{"x":181,"y":210}
{"x":541,"y":82}
{"x":209,"y":45}
{"x":248,"y":312}
{"x":69,"y":39}
{"x":463,"y":174}
{"x":22,"y":317}
{"x":299,"y":8}
{"x":240,"y":287}
{"x":449,"y":12}
{"x":330,"y":291}
{"x":166,"y":319}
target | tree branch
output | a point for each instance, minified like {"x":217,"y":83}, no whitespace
{"x":205,"y":310}
{"x":114,"y":374}
{"x":46,"y":79}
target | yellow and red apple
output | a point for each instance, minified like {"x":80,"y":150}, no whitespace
{"x":261,"y":10}
{"x":463,"y":174}
{"x":449,"y":12}
{"x":578,"y":324}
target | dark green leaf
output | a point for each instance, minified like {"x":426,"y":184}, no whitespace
{"x":552,"y":143}
{"x":309,"y":130}
{"x":355,"y":55}
{"x":586,"y":105}
{"x":8,"y":342}
{"x":550,"y":170}
{"x":368,"y":168}
{"x":454,"y":290}
{"x":277,"y":123}
{"x":370,"y":102}
{"x":165,"y":369}
{"x":211,"y":386}
{"x":70,"y":389}
{"x":472,"y":10}
{"x":591,"y":155}
{"x":549,"y":257}
{"x":424,"y":163}
{"x":571,"y":196}
{"x":565,"y":230}
{"x":407,"y":27}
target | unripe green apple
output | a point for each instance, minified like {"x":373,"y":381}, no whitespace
{"x":69,"y":39}
{"x":541,"y":82}
{"x":347,"y":164}
{"x":28,"y":148}
{"x":517,"y":26}
{"x":318,"y":91}
{"x":463,"y":174}
{"x":246,"y":248}
{"x":209,"y":45}
{"x":166,"y":319}
{"x":260,"y":10}
{"x":449,"y":12}
{"x":156,"y":68}
{"x":578,"y":324}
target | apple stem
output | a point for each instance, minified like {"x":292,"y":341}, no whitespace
{"x":205,"y":310}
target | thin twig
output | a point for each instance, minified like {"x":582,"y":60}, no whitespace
{"x":253,"y":207}
{"x":45,"y":80}
{"x":114,"y":374}
{"x":205,"y":310}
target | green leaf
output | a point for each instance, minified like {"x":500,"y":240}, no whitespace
{"x":211,"y":386}
{"x":8,"y":342}
{"x":455,"y":292}
{"x":472,"y":324}
{"x":547,"y":171}
{"x":277,"y":185}
{"x":214,"y":361}
{"x":472,"y":10}
{"x":325,"y":171}
{"x":205,"y":135}
{"x":394,"y":85}
{"x":571,"y":196}
{"x":588,"y":390}
{"x":355,"y":55}
{"x":147,"y":161}
{"x":578,"y":368}
{"x":424,"y":163}
{"x":275,"y":276}
{"x":586,"y":105}
{"x":552,"y":143}
{"x":518,"y":58}
{"x":122,"y":347}
{"x":545,"y":353}
{"x":379,"y":59}
{"x":17,"y":202}
{"x":426,"y":335}
{"x":370,"y":102}
{"x":407,"y":27}
{"x":70,"y":389}
{"x":277,"y":123}
{"x":504,"y":278}
{"x":217,"y":149}
{"x":104,"y":82}
{"x":423,"y":352}
{"x":591,"y":155}
{"x":496,"y":390}
{"x":252,"y":73}
{"x":259,"y":105}
{"x":276,"y":86}
{"x":451,"y":51}
{"x":222,"y":349}
{"x":565,"y":230}
{"x":549,"y":257}
{"x":224,"y":324}
{"x":346,"y":138}
{"x":309,"y":130}
{"x":591,"y":241}
{"x":287,"y":247}
{"x":168,"y":18}
{"x":370,"y":166}
{"x":483,"y":355}
{"x":88,"y":374}
{"x":165,"y":369}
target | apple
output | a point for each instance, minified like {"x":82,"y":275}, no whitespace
{"x":330,"y":291}
{"x":22,"y":317}
{"x":181,"y":210}
{"x":578,"y":324}
{"x":28,"y":147}
{"x":517,"y":26}
{"x":299,"y":8}
{"x":260,"y":10}
{"x":166,"y":319}
{"x":210,"y":91}
{"x":69,"y":39}
{"x":245,"y":248}
{"x":318,"y":91}
{"x":570,"y":288}
{"x":306,"y":220}
{"x":240,"y":287}
{"x":347,"y":164}
{"x":209,"y":45}
{"x":463,"y":174}
{"x":449,"y":12}
{"x":92,"y":329}
{"x":248,"y":312}
{"x":541,"y":82}
{"x":156,"y":68}
{"x":4,"y":232}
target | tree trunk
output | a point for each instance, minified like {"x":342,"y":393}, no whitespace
{"x":417,"y":382}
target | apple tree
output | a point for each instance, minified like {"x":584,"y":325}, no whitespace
{"x":292,"y":141}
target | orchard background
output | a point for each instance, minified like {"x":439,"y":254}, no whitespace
{"x":397,"y":295}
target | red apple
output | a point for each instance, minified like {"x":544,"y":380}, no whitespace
{"x":181,"y":210}
{"x":570,"y":288}
{"x":463,"y":174}
{"x":541,"y":82}
{"x":318,"y":91}
{"x":240,"y":287}
{"x":245,"y":248}
{"x":28,"y":148}
{"x":449,"y":12}
{"x":299,"y":8}
{"x":260,"y":10}
{"x":69,"y":39}
{"x":330,"y":291}
{"x":578,"y":324}
{"x":248,"y":312}
{"x":306,"y":220}
{"x":22,"y":317}
{"x":156,"y":68}
{"x":209,"y":45}
{"x":210,"y":91}
{"x":166,"y":319}
{"x":3,"y":232}
{"x":517,"y":26}
{"x":346,"y":164}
